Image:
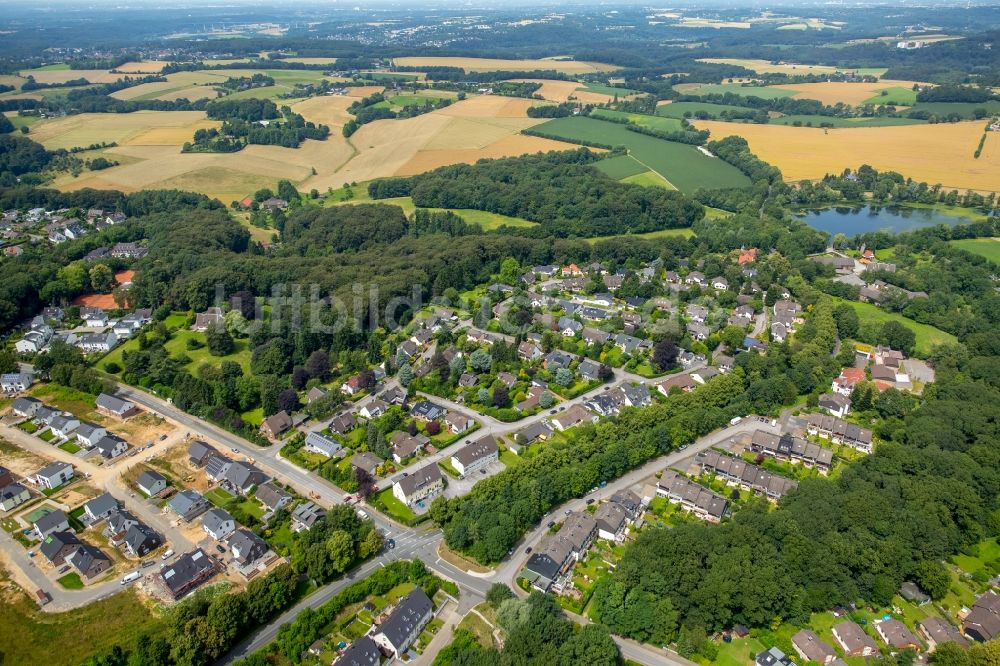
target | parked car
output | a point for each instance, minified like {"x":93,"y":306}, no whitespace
{"x":167,"y":554}
{"x":552,"y":523}
{"x":735,"y":420}
{"x":527,"y":551}
{"x":220,"y":548}
{"x":590,"y":500}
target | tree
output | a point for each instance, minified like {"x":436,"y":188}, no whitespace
{"x":432,"y":428}
{"x":288,"y":400}
{"x":933,"y":579}
{"x":510,"y":271}
{"x":456,"y":366}
{"x":370,"y":545}
{"x":481,"y":360}
{"x":545,"y":400}
{"x":300,"y":376}
{"x":287,"y":191}
{"x":101,"y":278}
{"x":340,"y":550}
{"x":732,"y":337}
{"x":497,"y":594}
{"x":665,"y":354}
{"x":501,"y":398}
{"x":405,"y":374}
{"x":366,"y":484}
{"x":898,"y":336}
{"x":8,"y":362}
{"x":591,"y":645}
{"x":847,"y":320}
{"x":949,"y":654}
{"x":219,"y":341}
{"x":318,"y":365}
{"x":564,"y":376}
{"x":243,"y":302}
{"x":483,"y":396}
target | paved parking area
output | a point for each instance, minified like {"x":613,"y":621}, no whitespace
{"x":459,"y":487}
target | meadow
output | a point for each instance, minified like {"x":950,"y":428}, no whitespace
{"x":988,"y":248}
{"x":764,"y":92}
{"x":941,"y":153}
{"x":659,"y":123}
{"x":927,"y":335}
{"x":766,"y":67}
{"x":497,"y":64}
{"x":817,"y":121}
{"x":684,"y":166}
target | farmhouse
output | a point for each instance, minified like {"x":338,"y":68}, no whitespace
{"x":405,"y":623}
{"x":475,"y":456}
{"x":419,"y":485}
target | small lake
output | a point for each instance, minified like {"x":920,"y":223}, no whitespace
{"x":852,"y":221}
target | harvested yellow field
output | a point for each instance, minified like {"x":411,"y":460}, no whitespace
{"x":89,"y":128}
{"x":563,"y":91}
{"x":310,"y":61}
{"x":64,"y":75}
{"x":191,"y":93}
{"x":489,"y":106}
{"x":143,"y":66}
{"x":497,"y":64}
{"x":766,"y":67}
{"x":830,"y":93}
{"x":934,"y":153}
{"x":363,"y":91}
{"x":11,"y":80}
{"x":174,"y":83}
{"x":326,"y":110}
{"x":510,"y":146}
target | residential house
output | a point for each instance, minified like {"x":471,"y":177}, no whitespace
{"x":840,"y":431}
{"x":367,"y":461}
{"x":912,"y":592}
{"x":589,"y":369}
{"x":55,"y":521}
{"x":53,"y":475}
{"x":779,"y":331}
{"x":218,"y":524}
{"x":556,"y":360}
{"x":199,"y":452}
{"x":835,"y":403}
{"x":680,"y":382}
{"x":100,"y":508}
{"x":362,"y":652}
{"x":698,"y":331}
{"x":118,"y":525}
{"x":573,"y":416}
{"x":325,"y":446}
{"x":611,"y":519}
{"x":305,"y":515}
{"x":539,"y":430}
{"x":937,"y":631}
{"x":789,"y":447}
{"x":696,"y":278}
{"x":56,"y":547}
{"x":702,"y":375}
{"x":557,"y":554}
{"x":853,"y":640}
{"x":26,"y":407}
{"x":374,"y":409}
{"x":773,"y":657}
{"x":738,"y":472}
{"x":271,"y":496}
{"x":88,"y":434}
{"x":848,"y":379}
{"x":188,"y":572}
{"x":420,"y":485}
{"x":405,"y":445}
{"x":314,"y":394}
{"x":475,"y":456}
{"x":33,"y":341}
{"x":810,"y":648}
{"x":247,"y":548}
{"x":595,"y":336}
{"x":276,"y":425}
{"x":129,"y":251}
{"x":897,"y":635}
{"x":983,"y":621}
{"x":216,"y":467}
{"x":12,"y":496}
{"x":458,"y":423}
{"x":94,"y":317}
{"x":15,"y":382}
{"x":720,"y":283}
{"x":724,"y":363}
{"x":111,"y":405}
{"x":110,"y":447}
{"x":343,"y":423}
{"x":188,"y":505}
{"x":63,"y":426}
{"x":97,"y":343}
{"x":241,"y":478}
{"x":635,"y":395}
{"x":528,"y":351}
{"x":569,"y":327}
{"x":89,"y":562}
{"x":151,"y":483}
{"x":690,"y":496}
{"x":404,"y":624}
{"x":140,"y":540}
{"x":426,"y":410}
{"x":205,"y":320}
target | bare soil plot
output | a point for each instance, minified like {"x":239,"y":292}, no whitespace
{"x":138,"y":430}
{"x":363,"y":91}
{"x":941,"y":153}
{"x":497,"y":64}
{"x":19,"y":461}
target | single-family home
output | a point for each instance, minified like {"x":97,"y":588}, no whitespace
{"x":89,"y":434}
{"x":151,"y":483}
{"x":539,"y":430}
{"x":983,"y":621}
{"x":218,"y":524}
{"x":702,"y":375}
{"x":475,"y":456}
{"x":247,"y":548}
{"x":272,"y":497}
{"x":897,"y":635}
{"x":53,"y":475}
{"x":419,"y":486}
{"x":848,"y":379}
{"x":63,"y":426}
{"x":573,"y":416}
{"x":276,"y":425}
{"x":305,"y":515}
{"x":26,"y":408}
{"x":54,"y":521}
{"x":367,"y":461}
{"x":326,"y":446}
{"x":458,"y":423}
{"x":720,"y":283}
{"x":206,"y":319}
{"x":110,"y":447}
{"x":140,"y":540}
{"x":810,"y":648}
{"x":112,"y":405}
{"x":589,"y":369}
{"x":188,"y":572}
{"x":199,"y":452}
{"x":34,"y":340}
{"x":100,"y":508}
{"x":853,"y":640}
{"x":118,"y":525}
{"x":773,"y":657}
{"x":89,"y":562}
{"x":362,"y":652}
{"x":56,"y":547}
{"x":188,"y":505}
{"x":405,"y":445}
{"x":680,"y":382}
{"x":15,"y":382}
{"x":343,"y":423}
{"x":374,"y":409}
{"x":529,"y":351}
{"x":12,"y":496}
{"x":426,"y":410}
{"x":937,"y":631}
{"x":835,"y":404}
{"x":401,"y":629}
{"x":241,"y":477}
{"x":556,"y":360}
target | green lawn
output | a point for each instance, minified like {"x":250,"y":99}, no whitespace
{"x":71,"y":581}
{"x":509,"y":458}
{"x":177,"y":345}
{"x":897,"y":96}
{"x":649,"y":179}
{"x":28,"y":427}
{"x":69,"y":447}
{"x":832,"y":121}
{"x":67,"y":399}
{"x":218,"y":496}
{"x":622,"y":166}
{"x":659,"y":123}
{"x":388,"y":504}
{"x":47,"y":436}
{"x":682,"y":165}
{"x":984,"y":247}
{"x":764,"y":92}
{"x":606,"y":89}
{"x":488,"y":221}
{"x":694,"y":109}
{"x":254,"y":416}
{"x":927,"y":335}
{"x":987,"y":552}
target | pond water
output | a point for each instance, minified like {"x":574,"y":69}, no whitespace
{"x":852,"y":221}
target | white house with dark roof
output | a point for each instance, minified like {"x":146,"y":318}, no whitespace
{"x":151,"y":483}
{"x":89,"y":434}
{"x":323,"y":445}
{"x":114,"y":406}
{"x":55,"y":521}
{"x":475,"y":456}
{"x":15,"y":382}
{"x":420,"y":485}
{"x":53,"y":475}
{"x":100,"y":507}
{"x":218,"y":524}
{"x":64,"y":425}
{"x":111,"y":447}
{"x":407,"y":620}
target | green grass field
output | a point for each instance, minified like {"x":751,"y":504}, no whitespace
{"x":963,"y":109}
{"x":218,"y":496}
{"x":177,"y":345}
{"x":984,"y":247}
{"x":488,"y":221}
{"x":662,"y":233}
{"x":927,"y":336}
{"x":678,"y":109}
{"x":897,"y":96}
{"x":388,"y":504}
{"x":71,"y":581}
{"x":413,"y":100}
{"x":620,"y":167}
{"x":605,"y":89}
{"x":682,"y":165}
{"x":764,"y":92}
{"x":659,"y":123}
{"x":649,"y":179}
{"x":818,"y":121}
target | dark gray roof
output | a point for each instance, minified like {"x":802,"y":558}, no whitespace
{"x":308,"y":513}
{"x":142,"y":537}
{"x":50,"y":521}
{"x":199,"y":450}
{"x":271,"y":495}
{"x":113,"y":403}
{"x":188,"y":569}
{"x":417,"y":479}
{"x":86,"y":557}
{"x":248,"y":545}
{"x":54,"y":543}
{"x":481,"y":448}
{"x":362,"y":652}
{"x":149,"y":477}
{"x":101,"y":505}
{"x":214,"y":519}
{"x":407,"y":615}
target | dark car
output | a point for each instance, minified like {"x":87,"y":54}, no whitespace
{"x":220,"y":548}
{"x":391,"y":543}
{"x":552,"y":523}
{"x":527,"y":551}
{"x":590,"y":501}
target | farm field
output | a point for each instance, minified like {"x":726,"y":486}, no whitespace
{"x":678,"y":109}
{"x":764,"y":92}
{"x":660,"y":123}
{"x":139,"y":128}
{"x":855,"y":94}
{"x":964,"y":109}
{"x":623,"y":166}
{"x":927,"y":335}
{"x":984,"y":247}
{"x":561,"y":91}
{"x":684,"y":166}
{"x":649,"y":179}
{"x":497,"y":64}
{"x":939,"y":153}
{"x":143,"y":66}
{"x":488,"y":221}
{"x":610,"y":91}
{"x":766,"y":67}
{"x":817,"y":121}
{"x":64,"y":74}
{"x":194,"y":82}
{"x":897,"y":96}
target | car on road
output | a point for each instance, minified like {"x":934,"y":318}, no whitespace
{"x":64,"y":570}
{"x":220,"y":548}
{"x":167,"y":554}
{"x":683,"y":446}
{"x":552,"y":523}
{"x":590,"y":500}
{"x":568,"y":511}
{"x":527,"y":551}
{"x":162,"y":437}
{"x":607,"y":388}
{"x":391,"y":543}
{"x":234,"y":450}
{"x":553,"y":411}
